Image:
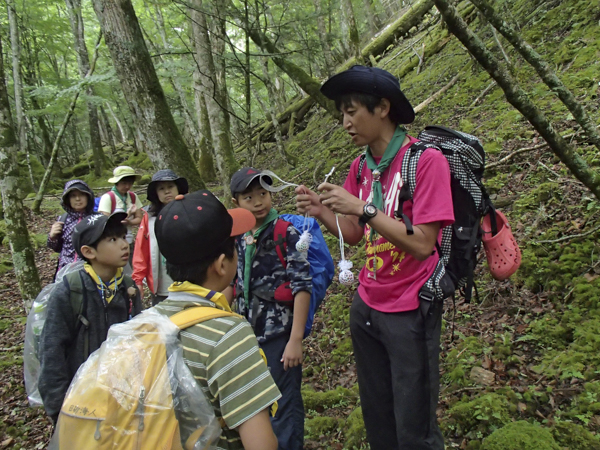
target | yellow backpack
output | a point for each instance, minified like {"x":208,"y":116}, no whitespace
{"x":122,"y":396}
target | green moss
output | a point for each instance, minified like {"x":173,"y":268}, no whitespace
{"x":355,"y":432}
{"x":327,"y":399}
{"x":145,"y":179}
{"x":574,"y":437}
{"x":320,"y":425}
{"x":480,"y":415}
{"x":459,"y":361}
{"x":520,"y":435}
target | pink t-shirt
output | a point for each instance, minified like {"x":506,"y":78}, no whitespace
{"x":394,"y":286}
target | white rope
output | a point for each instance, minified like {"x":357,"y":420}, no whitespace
{"x":346,"y":277}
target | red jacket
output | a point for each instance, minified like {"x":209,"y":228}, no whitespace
{"x":146,"y":254}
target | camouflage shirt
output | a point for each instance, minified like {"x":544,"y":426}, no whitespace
{"x":272,"y":318}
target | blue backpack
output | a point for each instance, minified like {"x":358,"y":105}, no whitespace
{"x":322,"y":268}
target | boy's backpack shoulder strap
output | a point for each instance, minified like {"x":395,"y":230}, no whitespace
{"x":279,"y":237}
{"x":132,"y":197}
{"x":78,"y":298}
{"x":192,"y":316}
{"x":113,"y":201}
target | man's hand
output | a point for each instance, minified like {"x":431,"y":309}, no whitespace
{"x":308,"y":201}
{"x":339,"y":200}
{"x":292,"y":355}
{"x":56,"y":230}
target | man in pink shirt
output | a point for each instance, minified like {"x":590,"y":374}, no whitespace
{"x":395,"y":333}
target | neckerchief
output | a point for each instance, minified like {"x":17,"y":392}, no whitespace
{"x":377,"y":169}
{"x":251,"y":250}
{"x":217,"y":298}
{"x":107,"y":291}
{"x":122,"y":197}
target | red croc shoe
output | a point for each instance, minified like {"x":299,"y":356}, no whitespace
{"x":502,"y":252}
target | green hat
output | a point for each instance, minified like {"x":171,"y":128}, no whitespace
{"x":121,"y":172}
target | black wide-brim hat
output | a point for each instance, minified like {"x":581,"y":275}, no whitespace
{"x":374,"y":81}
{"x":166,"y":175}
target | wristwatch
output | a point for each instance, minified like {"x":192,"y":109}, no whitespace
{"x":369,"y":211}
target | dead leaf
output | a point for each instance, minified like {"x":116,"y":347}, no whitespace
{"x":482,"y":376}
{"x":589,"y":277}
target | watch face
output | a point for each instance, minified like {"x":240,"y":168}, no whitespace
{"x":370,"y":210}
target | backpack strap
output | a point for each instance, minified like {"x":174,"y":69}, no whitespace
{"x":113,"y":201}
{"x":132,"y":197}
{"x":361,"y":164}
{"x":279,"y":237}
{"x":78,"y":298}
{"x":198,"y":314}
{"x":283,"y":293}
{"x":63,"y":217}
{"x":409,"y":180}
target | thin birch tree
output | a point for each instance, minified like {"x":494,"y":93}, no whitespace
{"x":14,"y":212}
{"x":83,"y":61}
{"x":215,"y":102}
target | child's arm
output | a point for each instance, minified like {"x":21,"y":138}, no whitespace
{"x":55,"y":240}
{"x":292,"y":355}
{"x":257,"y":433}
{"x":141,"y":256}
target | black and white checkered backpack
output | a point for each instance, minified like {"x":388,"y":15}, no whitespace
{"x":461,"y":241}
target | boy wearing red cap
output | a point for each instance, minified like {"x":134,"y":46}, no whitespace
{"x":196,"y":235}
{"x":395,"y":330}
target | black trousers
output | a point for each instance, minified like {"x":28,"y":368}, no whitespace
{"x":397,"y":361}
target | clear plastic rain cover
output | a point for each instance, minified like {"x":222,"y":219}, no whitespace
{"x":135,"y":392}
{"x":33,"y":331}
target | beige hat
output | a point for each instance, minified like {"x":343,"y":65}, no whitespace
{"x":122,"y":172}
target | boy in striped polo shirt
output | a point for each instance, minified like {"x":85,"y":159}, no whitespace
{"x":196,"y":235}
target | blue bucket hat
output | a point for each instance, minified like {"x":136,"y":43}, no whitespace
{"x":373,"y":81}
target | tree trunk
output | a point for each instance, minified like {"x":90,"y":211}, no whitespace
{"x":542,"y":68}
{"x":16,"y":223}
{"x":83,"y":61}
{"x":118,"y":122}
{"x":37,"y":202}
{"x":411,"y":18}
{"x":372,"y":19}
{"x":324,"y":38}
{"x":350,"y":31}
{"x":309,"y":84}
{"x":105,"y":123}
{"x":15,"y":41}
{"x":518,"y":98}
{"x":142,"y":90}
{"x":272,"y":108}
{"x":206,"y":163}
{"x":188,"y":115}
{"x":215,"y":103}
